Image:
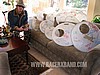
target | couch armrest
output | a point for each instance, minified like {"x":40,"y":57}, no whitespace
{"x":4,"y":64}
{"x":92,"y":59}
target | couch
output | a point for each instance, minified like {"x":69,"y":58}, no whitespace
{"x":57,"y":53}
{"x":4,"y":64}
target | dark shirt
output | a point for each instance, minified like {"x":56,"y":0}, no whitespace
{"x":17,"y":20}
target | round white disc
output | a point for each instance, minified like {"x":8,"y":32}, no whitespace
{"x":98,"y":42}
{"x":65,"y":39}
{"x":85,"y":42}
{"x":40,"y":16}
{"x":44,"y":24}
{"x":48,"y":32}
{"x":33,"y":23}
{"x":61,"y":17}
{"x":72,"y":19}
{"x":50,"y":17}
{"x":2,"y":19}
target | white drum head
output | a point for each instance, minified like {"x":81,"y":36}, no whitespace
{"x":2,"y":19}
{"x":61,"y":17}
{"x":98,"y":42}
{"x":84,"y":36}
{"x":48,"y":32}
{"x":50,"y":17}
{"x":81,"y":16}
{"x":33,"y":23}
{"x":44,"y":24}
{"x":65,"y":34}
{"x":72,"y":19}
{"x":40,"y":16}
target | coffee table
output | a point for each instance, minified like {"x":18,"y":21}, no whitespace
{"x":15,"y":46}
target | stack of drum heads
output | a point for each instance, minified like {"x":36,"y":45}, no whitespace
{"x":71,"y":30}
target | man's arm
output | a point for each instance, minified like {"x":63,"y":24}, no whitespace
{"x":11,"y":20}
{"x":26,"y":25}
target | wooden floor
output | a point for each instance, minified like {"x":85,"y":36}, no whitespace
{"x":42,"y":58}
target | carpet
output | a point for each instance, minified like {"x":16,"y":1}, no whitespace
{"x":18,"y":65}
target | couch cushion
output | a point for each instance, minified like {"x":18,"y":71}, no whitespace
{"x":4,"y":64}
{"x":39,"y":37}
{"x":67,"y":53}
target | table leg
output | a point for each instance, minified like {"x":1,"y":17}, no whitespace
{"x":26,"y":54}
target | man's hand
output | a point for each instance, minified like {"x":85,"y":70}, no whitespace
{"x":26,"y":29}
{"x":20,"y":29}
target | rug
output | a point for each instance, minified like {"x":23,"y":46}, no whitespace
{"x":18,"y":65}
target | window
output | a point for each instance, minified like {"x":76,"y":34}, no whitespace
{"x":77,"y":3}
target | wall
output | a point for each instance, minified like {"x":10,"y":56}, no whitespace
{"x":93,"y":9}
{"x":39,"y":5}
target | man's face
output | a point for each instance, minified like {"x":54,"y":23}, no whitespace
{"x":19,"y":9}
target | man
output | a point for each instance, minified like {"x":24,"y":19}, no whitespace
{"x":18,"y":21}
{"x":18,"y":18}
